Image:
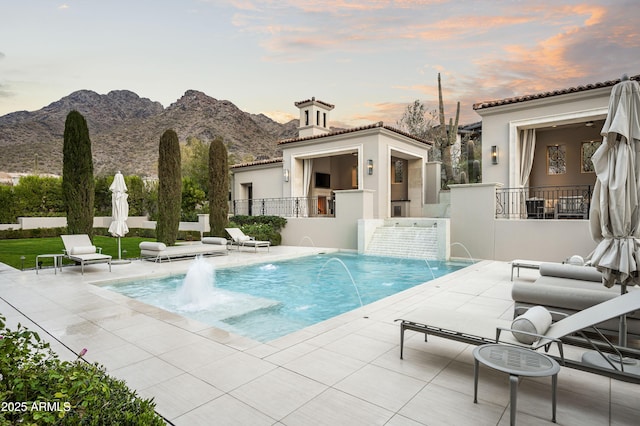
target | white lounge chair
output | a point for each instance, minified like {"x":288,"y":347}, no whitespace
{"x":159,"y":251}
{"x":80,"y":249}
{"x":477,"y":330}
{"x":240,"y":239}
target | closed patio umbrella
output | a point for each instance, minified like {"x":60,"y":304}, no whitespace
{"x":120,"y":209}
{"x":615,"y":210}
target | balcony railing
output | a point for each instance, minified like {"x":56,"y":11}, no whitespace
{"x":284,"y":207}
{"x":544,"y":202}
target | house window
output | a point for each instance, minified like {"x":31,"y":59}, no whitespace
{"x":587,"y":149}
{"x":318,"y":118}
{"x":556,"y":159}
{"x":398,"y":171}
{"x":324,"y":119}
{"x":306,"y":117}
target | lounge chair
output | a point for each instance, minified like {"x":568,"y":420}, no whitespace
{"x":477,"y":330}
{"x":79,"y":249}
{"x":241,"y":240}
{"x":159,"y":251}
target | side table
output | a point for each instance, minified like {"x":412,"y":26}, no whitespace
{"x":516,"y":361}
{"x":57,"y":261}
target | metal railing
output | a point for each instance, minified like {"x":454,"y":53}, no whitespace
{"x":284,"y":207}
{"x":544,"y":202}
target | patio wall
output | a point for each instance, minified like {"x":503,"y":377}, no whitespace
{"x":473,"y":224}
{"x":340,"y":231}
{"x":61,"y":222}
{"x":141,"y":222}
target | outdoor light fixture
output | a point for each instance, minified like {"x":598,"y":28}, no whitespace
{"x":494,"y":154}
{"x":370,"y":166}
{"x":285,"y":174}
{"x":589,"y":123}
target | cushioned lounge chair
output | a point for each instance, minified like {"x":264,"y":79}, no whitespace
{"x":159,"y":251}
{"x":240,"y":239}
{"x":477,"y":330}
{"x":79,"y":249}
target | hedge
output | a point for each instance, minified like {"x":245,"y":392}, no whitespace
{"x":36,"y":387}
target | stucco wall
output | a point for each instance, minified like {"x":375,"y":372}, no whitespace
{"x":545,"y":240}
{"x":340,"y":231}
{"x":473,"y":225}
{"x":266,"y":181}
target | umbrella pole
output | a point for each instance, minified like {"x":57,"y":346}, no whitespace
{"x":119,"y":260}
{"x":622,"y":339}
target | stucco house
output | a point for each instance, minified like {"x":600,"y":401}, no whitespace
{"x":544,"y":142}
{"x":327,"y":181}
{"x":319,"y":162}
{"x":536,"y":165}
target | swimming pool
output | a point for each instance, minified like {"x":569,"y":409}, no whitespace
{"x":269,"y":300}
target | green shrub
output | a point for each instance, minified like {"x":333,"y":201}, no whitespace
{"x":169,"y":188}
{"x":78,"y":185}
{"x":36,"y":387}
{"x":260,"y":227}
{"x":218,"y":187}
{"x":16,"y":234}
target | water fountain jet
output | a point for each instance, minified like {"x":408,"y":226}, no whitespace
{"x":348,"y":272}
{"x":430,"y":269}
{"x":465,"y":249}
{"x":306,"y":237}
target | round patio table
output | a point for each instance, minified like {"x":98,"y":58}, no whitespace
{"x":516,"y":361}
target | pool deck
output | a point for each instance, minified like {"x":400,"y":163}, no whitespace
{"x":343,"y":371}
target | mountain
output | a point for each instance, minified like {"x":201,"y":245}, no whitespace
{"x":125,"y":130}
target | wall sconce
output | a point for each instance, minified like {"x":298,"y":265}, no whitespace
{"x":494,"y":154}
{"x":285,"y":175}
{"x":370,"y":166}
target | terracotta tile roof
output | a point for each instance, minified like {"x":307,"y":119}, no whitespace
{"x":328,"y":105}
{"x":379,"y":124}
{"x":257,"y":163}
{"x":524,"y":98}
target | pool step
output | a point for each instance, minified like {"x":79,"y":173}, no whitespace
{"x":405,"y":241}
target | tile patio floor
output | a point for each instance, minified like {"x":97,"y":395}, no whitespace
{"x":344,"y":371}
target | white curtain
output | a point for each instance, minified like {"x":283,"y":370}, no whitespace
{"x":306,"y":175}
{"x":527,"y":150}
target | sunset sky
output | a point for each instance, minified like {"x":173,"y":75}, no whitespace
{"x":368,"y":58}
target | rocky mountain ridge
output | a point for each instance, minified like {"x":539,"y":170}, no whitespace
{"x":125,"y":130}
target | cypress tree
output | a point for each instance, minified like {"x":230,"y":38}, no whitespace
{"x":218,"y":187}
{"x":78,"y":185}
{"x":169,"y":188}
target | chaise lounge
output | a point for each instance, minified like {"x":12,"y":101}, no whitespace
{"x":240,"y":239}
{"x":159,"y":251}
{"x":569,"y":289}
{"x":525,"y":332}
{"x":78,"y":248}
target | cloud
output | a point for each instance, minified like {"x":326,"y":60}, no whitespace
{"x":63,"y":6}
{"x":280,"y":116}
{"x":5,"y":92}
{"x":576,"y":55}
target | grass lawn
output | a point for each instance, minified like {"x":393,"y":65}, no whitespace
{"x":11,"y":251}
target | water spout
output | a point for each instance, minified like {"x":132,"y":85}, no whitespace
{"x":430,"y":269}
{"x":306,"y":237}
{"x":465,"y":249}
{"x":348,"y":272}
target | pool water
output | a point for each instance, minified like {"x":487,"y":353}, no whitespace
{"x":269,"y":300}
